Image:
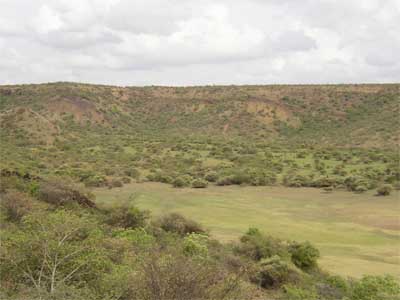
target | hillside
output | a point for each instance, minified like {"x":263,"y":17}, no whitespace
{"x":319,"y":136}
{"x":340,"y":115}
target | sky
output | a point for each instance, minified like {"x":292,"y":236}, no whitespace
{"x":200,"y":42}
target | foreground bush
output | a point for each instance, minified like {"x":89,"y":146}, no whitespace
{"x":273,"y":272}
{"x":52,"y":250}
{"x":376,"y":288}
{"x":257,"y":246}
{"x":171,"y":275}
{"x":304,"y":255}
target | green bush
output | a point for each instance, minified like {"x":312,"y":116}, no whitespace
{"x":357,"y":184}
{"x":52,"y":250}
{"x":273,"y":272}
{"x":304,"y":255}
{"x":160,"y":177}
{"x":199,"y":183}
{"x":376,"y":288}
{"x":195,"y":244}
{"x":295,"y":180}
{"x":257,"y":246}
{"x":138,"y":236}
{"x":338,"y":282}
{"x":295,"y":293}
{"x":180,"y":182}
{"x":211,"y":177}
{"x":125,"y":215}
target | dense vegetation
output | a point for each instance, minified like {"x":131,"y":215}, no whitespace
{"x":57,"y":244}
{"x":315,"y":136}
{"x":59,"y":139}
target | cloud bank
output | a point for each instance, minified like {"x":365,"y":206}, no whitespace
{"x":195,"y":42}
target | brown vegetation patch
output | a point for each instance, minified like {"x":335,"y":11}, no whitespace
{"x":80,"y":108}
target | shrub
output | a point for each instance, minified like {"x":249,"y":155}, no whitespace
{"x":384,"y":190}
{"x":163,"y":178}
{"x":94,"y":181}
{"x":211,"y":177}
{"x":116,"y":183}
{"x":227,"y":180}
{"x":126,"y":180}
{"x":126,"y":215}
{"x":375,"y":288}
{"x":294,"y":180}
{"x":180,"y":182}
{"x":177,"y":223}
{"x":54,"y":250}
{"x":257,"y":246}
{"x":199,"y":183}
{"x":15,"y":205}
{"x":360,"y":189}
{"x":175,"y":276}
{"x":295,"y":293}
{"x":325,"y":182}
{"x":334,"y":287}
{"x":304,"y":255}
{"x":133,"y":173}
{"x":272,"y":273}
{"x":195,"y":244}
{"x":138,"y":236}
{"x":356,"y":184}
{"x":61,"y":193}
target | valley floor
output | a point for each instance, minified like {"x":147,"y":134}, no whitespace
{"x":356,"y":233}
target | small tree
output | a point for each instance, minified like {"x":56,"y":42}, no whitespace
{"x":304,"y":255}
{"x":53,"y":250}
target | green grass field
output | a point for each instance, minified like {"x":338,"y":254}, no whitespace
{"x":356,"y":233}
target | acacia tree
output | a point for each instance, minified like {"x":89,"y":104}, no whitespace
{"x":53,"y":250}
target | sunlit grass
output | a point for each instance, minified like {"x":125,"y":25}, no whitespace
{"x":356,"y":233}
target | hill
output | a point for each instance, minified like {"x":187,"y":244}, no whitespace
{"x":323,"y":136}
{"x":339,"y":115}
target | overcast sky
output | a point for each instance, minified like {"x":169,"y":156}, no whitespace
{"x":195,"y":42}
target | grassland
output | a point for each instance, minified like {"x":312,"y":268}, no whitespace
{"x":356,"y":233}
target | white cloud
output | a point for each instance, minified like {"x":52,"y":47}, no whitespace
{"x":189,"y":42}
